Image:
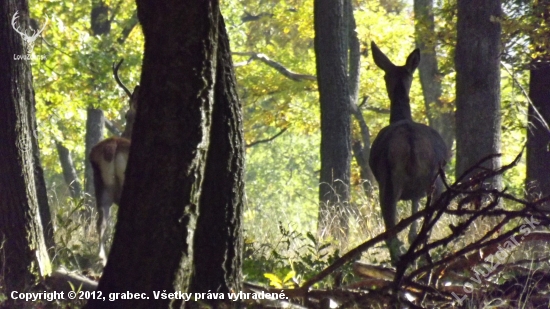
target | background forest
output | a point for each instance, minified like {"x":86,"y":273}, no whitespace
{"x":272,"y":43}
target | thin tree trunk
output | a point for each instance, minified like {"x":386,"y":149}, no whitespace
{"x":440,"y":115}
{"x":23,"y":255}
{"x":95,"y":122}
{"x":360,"y":147}
{"x":69,"y":172}
{"x":100,"y":24}
{"x":41,"y":190}
{"x":152,"y":248}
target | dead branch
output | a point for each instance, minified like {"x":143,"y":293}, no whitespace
{"x":267,"y":139}
{"x":276,"y":65}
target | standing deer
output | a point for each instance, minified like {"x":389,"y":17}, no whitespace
{"x":108,"y":159}
{"x":405,"y":156}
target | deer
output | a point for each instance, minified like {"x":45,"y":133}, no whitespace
{"x":406,"y":156}
{"x":108,"y":159}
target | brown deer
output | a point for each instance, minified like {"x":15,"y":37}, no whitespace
{"x":405,"y":156}
{"x":108,"y":159}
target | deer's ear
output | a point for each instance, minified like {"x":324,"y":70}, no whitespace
{"x":413,"y":60}
{"x":380,"y":59}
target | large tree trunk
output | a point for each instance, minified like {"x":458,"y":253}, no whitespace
{"x":538,"y":139}
{"x":24,"y":256}
{"x":440,"y":116}
{"x":152,"y":248}
{"x":477,"y":61}
{"x":331,"y":50}
{"x":218,"y":247}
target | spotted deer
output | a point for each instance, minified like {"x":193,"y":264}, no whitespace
{"x":108,"y":159}
{"x":405,"y":156}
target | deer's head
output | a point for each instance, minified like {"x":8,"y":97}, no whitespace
{"x":398,"y":81}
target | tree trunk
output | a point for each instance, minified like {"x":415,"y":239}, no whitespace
{"x":41,"y":190}
{"x":538,"y":139}
{"x":393,"y":6}
{"x":360,"y":147}
{"x":95,"y":121}
{"x":69,"y":172}
{"x":440,"y":117}
{"x":477,"y":61}
{"x":218,"y":247}
{"x":23,"y":256}
{"x":331,"y":50}
{"x":152,"y":248}
{"x":100,"y":24}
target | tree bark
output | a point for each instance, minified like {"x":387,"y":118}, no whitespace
{"x":331,"y":50}
{"x":100,"y":24}
{"x":95,"y":122}
{"x":361,"y":146}
{"x":152,"y":248}
{"x":393,"y":6}
{"x":41,"y":190}
{"x":24,"y":255}
{"x":218,"y":247}
{"x":440,"y":116}
{"x":538,"y":139}
{"x":69,"y":172}
{"x":477,"y":61}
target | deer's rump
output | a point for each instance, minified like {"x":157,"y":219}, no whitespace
{"x":407,"y":154}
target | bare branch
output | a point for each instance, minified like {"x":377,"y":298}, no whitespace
{"x":361,"y":149}
{"x":266,"y":140}
{"x":247,"y":16}
{"x":276,"y":65}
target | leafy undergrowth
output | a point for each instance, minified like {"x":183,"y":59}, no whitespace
{"x":287,"y":259}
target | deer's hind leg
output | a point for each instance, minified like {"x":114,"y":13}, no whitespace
{"x":388,"y":205}
{"x":413,"y":231}
{"x":103,"y":217}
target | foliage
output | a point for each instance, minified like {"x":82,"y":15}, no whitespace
{"x":288,"y":259}
{"x":281,"y":183}
{"x":281,"y":176}
{"x":76,"y":74}
{"x":73,"y":250}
